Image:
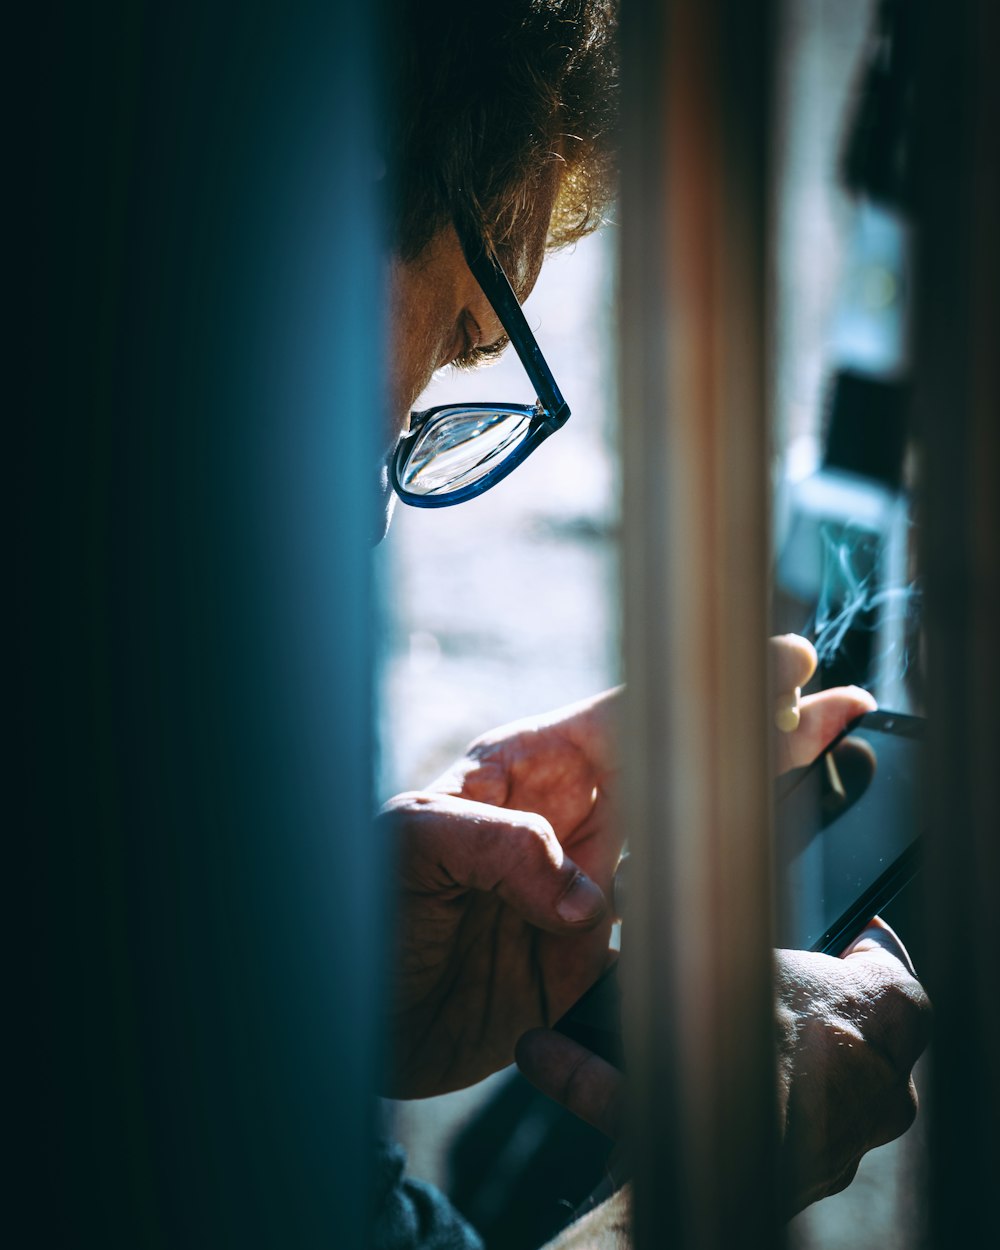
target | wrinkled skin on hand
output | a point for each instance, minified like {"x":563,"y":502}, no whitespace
{"x":489,"y":859}
{"x":522,"y":824}
{"x":848,"y":1030}
{"x":849,"y":1033}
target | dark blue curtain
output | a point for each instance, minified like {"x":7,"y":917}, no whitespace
{"x":192,"y":406}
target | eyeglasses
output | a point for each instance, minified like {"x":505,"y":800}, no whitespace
{"x":457,"y":451}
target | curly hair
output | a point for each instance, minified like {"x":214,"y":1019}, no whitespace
{"x":485,"y":100}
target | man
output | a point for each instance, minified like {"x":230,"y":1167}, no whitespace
{"x":503,"y":145}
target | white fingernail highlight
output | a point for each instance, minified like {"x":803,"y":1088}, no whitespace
{"x":786,"y":710}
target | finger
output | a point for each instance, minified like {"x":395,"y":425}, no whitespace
{"x":879,"y":939}
{"x":787,"y":710}
{"x":822,"y":717}
{"x":793,"y":662}
{"x":573,"y":1076}
{"x":850,"y":769}
{"x":449,"y":844}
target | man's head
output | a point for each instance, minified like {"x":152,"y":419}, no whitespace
{"x":485,"y":99}
{"x":503,"y":130}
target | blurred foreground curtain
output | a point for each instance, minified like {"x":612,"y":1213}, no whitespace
{"x":957,"y":384}
{"x":194,"y":403}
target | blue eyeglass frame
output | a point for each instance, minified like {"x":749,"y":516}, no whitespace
{"x":549,"y":413}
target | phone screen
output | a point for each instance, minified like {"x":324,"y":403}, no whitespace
{"x":848,"y":830}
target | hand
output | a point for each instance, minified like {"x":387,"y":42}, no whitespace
{"x":484,"y":857}
{"x":820,"y":717}
{"x":503,"y":866}
{"x":849,"y":1032}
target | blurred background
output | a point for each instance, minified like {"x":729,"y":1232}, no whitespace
{"x":507,"y":605}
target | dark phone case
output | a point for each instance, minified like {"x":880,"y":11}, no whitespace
{"x":884,"y":889}
{"x":595,"y":1019}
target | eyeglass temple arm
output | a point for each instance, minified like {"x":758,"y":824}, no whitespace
{"x":496,"y":287}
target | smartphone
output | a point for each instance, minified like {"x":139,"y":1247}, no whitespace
{"x":848,"y":832}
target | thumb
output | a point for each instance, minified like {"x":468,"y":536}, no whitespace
{"x":448,"y":844}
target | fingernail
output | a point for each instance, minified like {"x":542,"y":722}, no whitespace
{"x":834,"y":778}
{"x":582,"y":901}
{"x":619,"y":886}
{"x":786,"y":710}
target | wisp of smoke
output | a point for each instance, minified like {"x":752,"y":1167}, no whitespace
{"x":851,"y":598}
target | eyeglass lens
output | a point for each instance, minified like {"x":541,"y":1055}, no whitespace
{"x":459,"y":447}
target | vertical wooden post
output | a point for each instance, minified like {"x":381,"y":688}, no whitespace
{"x":696,"y":446}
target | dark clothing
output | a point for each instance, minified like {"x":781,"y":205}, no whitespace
{"x":411,"y":1215}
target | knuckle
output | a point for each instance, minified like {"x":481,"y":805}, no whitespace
{"x":396,"y":810}
{"x":906,"y":1108}
{"x":841,"y":1182}
{"x":537,"y":840}
{"x":905,"y":1024}
{"x":899,"y":1110}
{"x":484,"y":779}
{"x":893,"y":1013}
{"x":409,"y":799}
